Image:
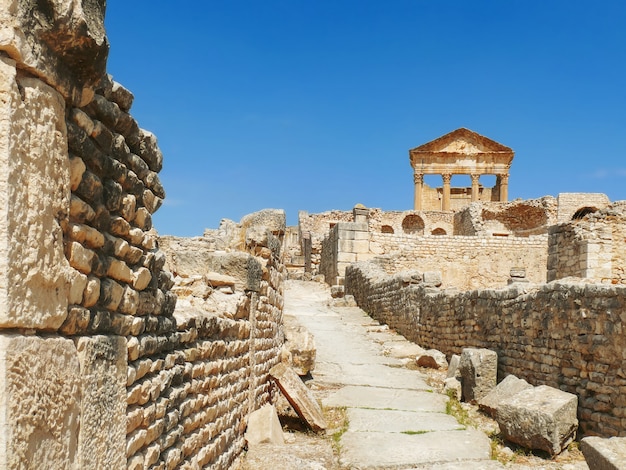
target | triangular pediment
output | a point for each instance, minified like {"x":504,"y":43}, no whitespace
{"x":462,"y":141}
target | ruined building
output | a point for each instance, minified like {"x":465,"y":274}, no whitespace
{"x":542,"y":282}
{"x":102,"y":367}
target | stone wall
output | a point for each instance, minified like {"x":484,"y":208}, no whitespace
{"x":190,"y":389}
{"x":570,"y":203}
{"x":96,"y":368}
{"x":569,"y":335}
{"x":465,"y":262}
{"x":592,"y":247}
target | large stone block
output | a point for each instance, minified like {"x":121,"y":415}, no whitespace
{"x":505,"y":389}
{"x":40,"y":402}
{"x":264,"y":427}
{"x":299,"y":348}
{"x":35,"y":276}
{"x":61,"y":41}
{"x":479,"y":372}
{"x":103,"y":369}
{"x":541,"y":418}
{"x":604,"y":454}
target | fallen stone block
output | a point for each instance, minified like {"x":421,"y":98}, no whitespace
{"x":542,"y":418}
{"x":299,"y":396}
{"x":505,"y":389}
{"x":299,"y":348}
{"x":604,"y":454}
{"x":479,"y":370}
{"x":433,"y":359}
{"x":264,"y":427}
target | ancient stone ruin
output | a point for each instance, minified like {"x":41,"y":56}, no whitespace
{"x":123,"y":349}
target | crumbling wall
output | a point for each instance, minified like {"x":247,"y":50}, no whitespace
{"x":96,"y":369}
{"x":570,"y":203}
{"x":465,"y":262}
{"x":568,"y":335}
{"x":191,"y":389}
{"x":592,"y":247}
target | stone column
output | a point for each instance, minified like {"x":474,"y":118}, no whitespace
{"x":475,"y":187}
{"x":446,"y":191}
{"x":504,"y":188}
{"x":418,"y":179}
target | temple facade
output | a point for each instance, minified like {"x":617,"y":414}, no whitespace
{"x":460,"y":152}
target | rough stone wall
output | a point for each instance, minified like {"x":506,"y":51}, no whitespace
{"x":570,"y":203}
{"x":318,"y":226}
{"x":465,"y":262}
{"x":191,"y":389}
{"x":569,"y":335}
{"x":96,"y":370}
{"x":592,"y":247}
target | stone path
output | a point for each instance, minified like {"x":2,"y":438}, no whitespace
{"x":395,"y":419}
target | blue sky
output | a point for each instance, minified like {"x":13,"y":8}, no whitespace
{"x":313,"y":105}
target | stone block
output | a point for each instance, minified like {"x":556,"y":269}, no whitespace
{"x":264,"y":427}
{"x":35,"y":181}
{"x":433,"y":279}
{"x":103,"y":369}
{"x":453,"y":367}
{"x":299,"y":396}
{"x":479,"y":370}
{"x":542,"y":418}
{"x":63,"y":42}
{"x":451,"y":386}
{"x":505,"y":389}
{"x":604,"y":454}
{"x":432,"y":359}
{"x":40,"y":402}
{"x":299,"y":348}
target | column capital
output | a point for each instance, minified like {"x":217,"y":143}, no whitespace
{"x":504,"y":178}
{"x":418,"y":178}
{"x":446,"y":177}
{"x":475,"y":177}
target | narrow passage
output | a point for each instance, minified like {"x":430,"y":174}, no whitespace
{"x":395,"y":419}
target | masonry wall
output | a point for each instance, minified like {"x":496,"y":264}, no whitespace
{"x":96,"y":368}
{"x":566,"y":335}
{"x":465,"y":262}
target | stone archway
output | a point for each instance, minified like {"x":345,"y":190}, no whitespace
{"x":438,"y":231}
{"x":583,"y":211}
{"x":387,"y":229}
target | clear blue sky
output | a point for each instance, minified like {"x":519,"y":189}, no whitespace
{"x":313,"y":105}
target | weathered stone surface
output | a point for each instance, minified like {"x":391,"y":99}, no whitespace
{"x":264,"y":427}
{"x":299,"y":348}
{"x":479,"y":372}
{"x":102,"y":435}
{"x":298,"y":396}
{"x":453,"y":367}
{"x":62,"y":41}
{"x":35,"y":175}
{"x":432,"y":279}
{"x":505,"y":389}
{"x":604,"y":454}
{"x":40,"y":400}
{"x":432,"y":359}
{"x":541,"y":418}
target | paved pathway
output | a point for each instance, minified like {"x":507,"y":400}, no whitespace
{"x":395,"y":418}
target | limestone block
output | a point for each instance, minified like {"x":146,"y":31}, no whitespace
{"x":453,"y":367}
{"x":40,"y":402}
{"x":264,"y":427}
{"x":505,"y":389}
{"x":604,"y":454}
{"x":78,"y":284}
{"x":299,"y":396}
{"x":62,"y":41}
{"x":80,"y":210}
{"x":299,"y":348}
{"x":91,"y":294}
{"x":119,"y":271}
{"x":541,"y":418}
{"x":141,"y":278}
{"x":35,"y":182}
{"x":432,"y":279}
{"x":479,"y":370}
{"x":102,"y":435}
{"x":432,"y":359}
